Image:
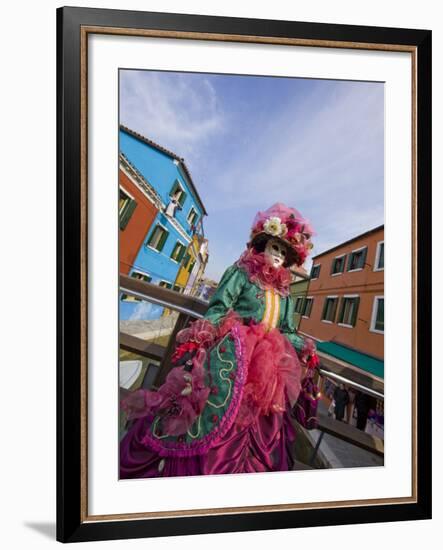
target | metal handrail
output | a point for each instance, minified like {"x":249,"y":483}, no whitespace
{"x":351,"y":383}
{"x":161,"y":302}
{"x":183,"y":303}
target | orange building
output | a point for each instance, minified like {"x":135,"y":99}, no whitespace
{"x":138,"y":207}
{"x":345,"y":298}
{"x":344,"y":312}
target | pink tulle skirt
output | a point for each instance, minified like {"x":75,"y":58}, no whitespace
{"x":260,"y":438}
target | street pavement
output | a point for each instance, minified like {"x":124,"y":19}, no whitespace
{"x":340,"y":454}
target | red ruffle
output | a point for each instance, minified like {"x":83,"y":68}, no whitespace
{"x":274,"y":373}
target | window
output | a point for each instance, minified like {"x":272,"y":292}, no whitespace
{"x":378,"y":315}
{"x":178,"y":288}
{"x":338,"y":265}
{"x":165,"y":284}
{"x":357,"y":259}
{"x":140,"y":277}
{"x":298,"y":307}
{"x":379,"y":263}
{"x":315,"y":271}
{"x":126,"y":207}
{"x":158,"y":238}
{"x":124,"y":199}
{"x":348,"y":311}
{"x":192,"y":216}
{"x":178,"y":252}
{"x":186,"y":259}
{"x":191,"y":266}
{"x":178,"y":192}
{"x":307,"y":307}
{"x":329,"y":309}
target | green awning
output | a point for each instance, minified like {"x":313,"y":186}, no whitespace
{"x":364,"y":362}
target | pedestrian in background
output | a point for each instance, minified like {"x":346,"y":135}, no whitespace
{"x":362,"y":404}
{"x":341,"y":398}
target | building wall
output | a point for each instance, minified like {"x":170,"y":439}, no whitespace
{"x":160,"y":171}
{"x":159,"y":265}
{"x":365,"y":283}
{"x":132,"y":236}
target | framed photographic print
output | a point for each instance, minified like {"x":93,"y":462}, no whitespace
{"x":226,"y":192}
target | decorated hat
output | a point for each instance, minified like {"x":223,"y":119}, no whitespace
{"x":286,"y":224}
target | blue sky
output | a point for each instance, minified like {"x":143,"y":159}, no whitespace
{"x":251,"y":141}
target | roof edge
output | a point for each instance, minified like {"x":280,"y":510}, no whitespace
{"x":336,"y":247}
{"x":162,"y":149}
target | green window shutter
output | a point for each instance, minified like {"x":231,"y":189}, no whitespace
{"x":182,"y":198}
{"x":349,"y":257}
{"x":186,"y":259}
{"x":342,"y":310}
{"x":173,"y":189}
{"x":355,"y":312}
{"x":363,"y":258}
{"x":381,"y":258}
{"x":310,"y":303}
{"x":325,"y":305}
{"x":125,"y":216}
{"x":177,"y":248}
{"x":181,"y":253}
{"x":334,"y":309}
{"x":191,"y":266}
{"x":380,"y":317}
{"x":163,"y":239}
{"x":151,"y":238}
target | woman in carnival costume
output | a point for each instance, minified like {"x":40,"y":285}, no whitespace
{"x":239,"y":375}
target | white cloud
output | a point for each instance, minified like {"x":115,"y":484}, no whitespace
{"x":145,"y":310}
{"x":309,"y":150}
{"x":179,"y":112}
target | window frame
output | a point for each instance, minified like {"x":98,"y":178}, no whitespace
{"x":336,"y":300}
{"x":335,"y":273}
{"x":171,"y":194}
{"x":165,"y":284}
{"x":312,"y":270}
{"x":309,"y":299}
{"x":194,"y":223}
{"x":180,"y":256}
{"x":129,"y":205}
{"x":372,"y":328}
{"x":296,"y":301}
{"x":191,"y":265}
{"x":148,"y":245}
{"x":377,"y":256}
{"x":343,"y":298}
{"x":130,"y":197}
{"x":360,"y":249}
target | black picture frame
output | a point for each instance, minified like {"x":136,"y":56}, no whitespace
{"x":72,"y":522}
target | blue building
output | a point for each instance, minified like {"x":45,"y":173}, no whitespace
{"x":180,"y":218}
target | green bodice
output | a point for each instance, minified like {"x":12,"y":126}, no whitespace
{"x":236,"y":292}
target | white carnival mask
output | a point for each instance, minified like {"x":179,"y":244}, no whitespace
{"x":275,"y":252}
